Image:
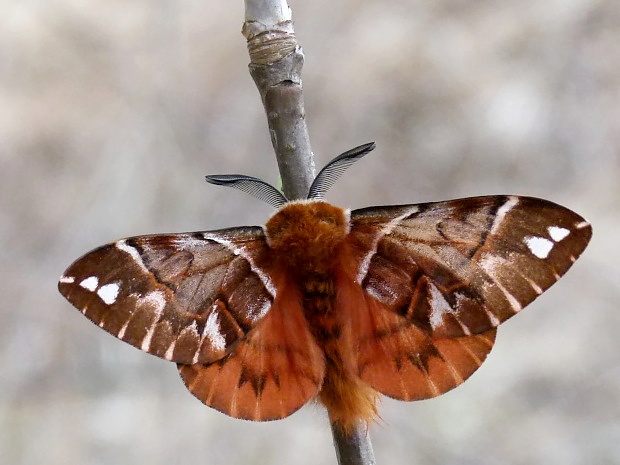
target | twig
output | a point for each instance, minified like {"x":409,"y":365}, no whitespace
{"x":276,"y":61}
{"x":354,"y":448}
{"x":275,"y":65}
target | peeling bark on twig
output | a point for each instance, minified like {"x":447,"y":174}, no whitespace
{"x":275,"y":65}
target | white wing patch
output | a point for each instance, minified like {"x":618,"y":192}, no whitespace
{"x":213,"y":332}
{"x":90,"y":284}
{"x":121,"y":332}
{"x":382,"y":291}
{"x":255,"y":314}
{"x":557,"y":233}
{"x":146,"y":342}
{"x":170,"y":351}
{"x":185,"y":241}
{"x":539,"y":246}
{"x":108,"y":293}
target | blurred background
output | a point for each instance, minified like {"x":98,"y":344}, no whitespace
{"x":112,"y":111}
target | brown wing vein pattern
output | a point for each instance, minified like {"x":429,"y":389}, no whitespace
{"x":401,"y":360}
{"x":181,"y":297}
{"x":272,"y":373}
{"x":461,"y":267}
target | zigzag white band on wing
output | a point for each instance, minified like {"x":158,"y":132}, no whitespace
{"x":387,"y":229}
{"x":266,"y":280}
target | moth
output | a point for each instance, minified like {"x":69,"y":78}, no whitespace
{"x":327,"y":303}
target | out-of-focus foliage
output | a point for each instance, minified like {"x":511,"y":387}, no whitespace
{"x":111,"y":112}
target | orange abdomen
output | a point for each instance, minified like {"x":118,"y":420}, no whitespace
{"x":348,"y":400}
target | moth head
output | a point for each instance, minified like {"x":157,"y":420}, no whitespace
{"x":323,"y":181}
{"x":306,"y":231}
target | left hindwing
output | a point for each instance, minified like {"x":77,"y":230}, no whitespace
{"x":188,"y":298}
{"x":462,"y":267}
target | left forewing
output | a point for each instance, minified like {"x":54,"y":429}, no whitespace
{"x":188,"y":298}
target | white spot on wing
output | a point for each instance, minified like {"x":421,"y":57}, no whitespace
{"x":67,"y":279}
{"x":109,"y":293}
{"x":492,"y":318}
{"x":192,"y":331}
{"x":382,"y":291}
{"x":347,"y":220}
{"x":557,"y":233}
{"x":502,"y":212}
{"x":539,"y":246}
{"x":490,"y":263}
{"x":537,"y":289}
{"x":257,"y":314}
{"x":374,"y":293}
{"x":185,"y":241}
{"x":225,"y":242}
{"x":583,"y":224}
{"x":90,"y":283}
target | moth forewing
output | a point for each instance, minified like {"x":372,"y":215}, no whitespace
{"x":184,"y":297}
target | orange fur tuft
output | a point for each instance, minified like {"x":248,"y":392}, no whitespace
{"x":348,"y":400}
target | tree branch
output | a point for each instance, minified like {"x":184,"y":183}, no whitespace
{"x":354,"y":448}
{"x":275,"y":65}
{"x":276,"y":61}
